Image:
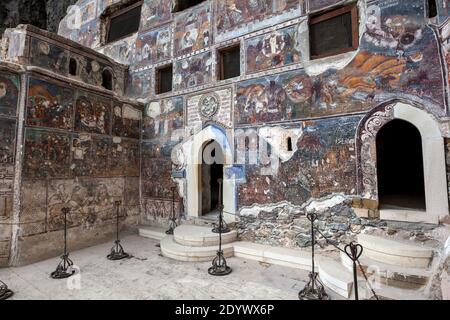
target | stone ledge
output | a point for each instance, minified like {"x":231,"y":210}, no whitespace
{"x":197,"y":236}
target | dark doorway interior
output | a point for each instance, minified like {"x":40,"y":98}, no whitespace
{"x":400,"y":166}
{"x":210,"y":186}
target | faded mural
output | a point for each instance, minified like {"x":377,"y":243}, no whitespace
{"x":49,"y":105}
{"x":192,"y":30}
{"x":93,"y":114}
{"x":9,"y":93}
{"x":152,"y":47}
{"x":272,"y":50}
{"x":193,"y":71}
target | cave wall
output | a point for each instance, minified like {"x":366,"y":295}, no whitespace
{"x":44,"y":14}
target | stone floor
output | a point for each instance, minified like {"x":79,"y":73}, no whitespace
{"x":148,"y":275}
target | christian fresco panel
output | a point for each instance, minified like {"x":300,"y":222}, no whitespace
{"x":47,"y":154}
{"x":152,"y":47}
{"x":126,"y":121}
{"x":93,"y":114}
{"x":49,"y":105}
{"x":276,"y":49}
{"x":162,"y":118}
{"x":9,"y":93}
{"x":323,"y":163}
{"x":49,"y":56}
{"x":193,"y":71}
{"x":192,"y":30}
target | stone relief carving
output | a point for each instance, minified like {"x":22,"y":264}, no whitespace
{"x":209,"y":105}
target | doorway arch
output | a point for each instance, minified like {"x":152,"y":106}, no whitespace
{"x":434,"y":164}
{"x":400,"y":166}
{"x":210,"y":173}
{"x":193,"y":151}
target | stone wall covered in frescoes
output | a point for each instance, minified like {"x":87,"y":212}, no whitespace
{"x":80,"y":147}
{"x":86,"y":147}
{"x":162,"y":130}
{"x":280,"y":94}
{"x":81,"y":151}
{"x":9,"y":99}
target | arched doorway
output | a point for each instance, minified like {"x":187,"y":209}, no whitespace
{"x":211,"y":172}
{"x":400,"y":167}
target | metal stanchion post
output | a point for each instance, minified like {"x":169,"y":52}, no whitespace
{"x":219,"y":264}
{"x":173,"y":218}
{"x":117,"y":252}
{"x":64,"y":268}
{"x":354,"y":251}
{"x":314,"y":289}
{"x":221,"y":225}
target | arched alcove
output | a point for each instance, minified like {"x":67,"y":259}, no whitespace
{"x":433,"y":152}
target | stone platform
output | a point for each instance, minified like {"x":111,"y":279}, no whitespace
{"x":400,"y":269}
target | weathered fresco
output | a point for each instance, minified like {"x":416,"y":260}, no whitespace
{"x":152,"y":47}
{"x":272,"y":50}
{"x":126,"y":121}
{"x":139,"y":84}
{"x":321,"y":4}
{"x":93,"y":114}
{"x":91,"y":201}
{"x":49,"y":105}
{"x":155,"y":13}
{"x":447,"y":154}
{"x":124,"y":157}
{"x":163,"y":118}
{"x":47,"y":154}
{"x":324,"y":164}
{"x":235,"y":13}
{"x":192,"y":30}
{"x":90,"y":155}
{"x":9,"y":93}
{"x":193,"y":71}
{"x":282,"y":97}
{"x":156,"y":172}
{"x":7,"y":149}
{"x":103,"y":4}
{"x":49,"y":56}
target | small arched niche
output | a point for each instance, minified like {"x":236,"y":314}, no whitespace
{"x":107,"y":79}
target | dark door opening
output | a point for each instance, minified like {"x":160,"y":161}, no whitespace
{"x":400,"y":166}
{"x":211,"y":173}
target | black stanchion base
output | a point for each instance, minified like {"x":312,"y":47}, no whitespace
{"x":220,"y":271}
{"x":217,"y":230}
{"x":117,"y":256}
{"x":219,"y":266}
{"x":61,"y":274}
{"x":314,"y":289}
{"x":117,"y":252}
{"x":5,"y":293}
{"x":63,"y":270}
{"x":172,"y":227}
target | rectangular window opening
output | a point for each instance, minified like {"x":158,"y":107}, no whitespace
{"x":229,"y":62}
{"x":334,"y":32}
{"x":123,"y":23}
{"x":164,"y":78}
{"x":182,"y":5}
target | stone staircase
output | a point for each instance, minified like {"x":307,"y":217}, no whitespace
{"x":401,"y":269}
{"x":196,"y":243}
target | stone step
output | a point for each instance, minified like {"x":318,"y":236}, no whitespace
{"x":197,"y":236}
{"x":176,"y":251}
{"x":337,"y":278}
{"x":395,"y":252}
{"x":152,"y":232}
{"x":293,"y":258}
{"x":391,"y":275}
